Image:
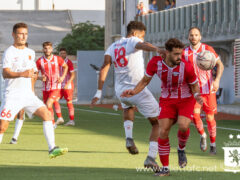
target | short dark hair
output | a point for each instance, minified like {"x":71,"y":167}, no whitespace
{"x":19,"y":25}
{"x":62,"y":49}
{"x":173,"y":43}
{"x":135,"y":25}
{"x":47,"y":43}
{"x":194,"y":28}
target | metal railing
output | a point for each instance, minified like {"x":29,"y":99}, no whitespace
{"x":219,"y":20}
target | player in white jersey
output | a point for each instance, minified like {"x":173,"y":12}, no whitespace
{"x":18,"y":69}
{"x":127,"y":56}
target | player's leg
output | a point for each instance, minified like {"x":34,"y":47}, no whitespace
{"x":210,"y":107}
{"x":48,"y":130}
{"x":128,"y":117}
{"x":49,"y":105}
{"x":68,"y":95}
{"x":57,"y":108}
{"x":165,"y":125}
{"x":3,"y":127}
{"x":199,"y":126}
{"x":148,"y":107}
{"x":183,"y":135}
{"x":46,"y":95}
{"x":150,"y":161}
{"x":18,"y":126}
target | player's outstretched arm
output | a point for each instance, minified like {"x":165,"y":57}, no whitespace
{"x":196,"y":92}
{"x":138,"y":88}
{"x":65,"y":69}
{"x":145,"y":46}
{"x":220,"y":68}
{"x":7,"y":73}
{"x":102,"y":77}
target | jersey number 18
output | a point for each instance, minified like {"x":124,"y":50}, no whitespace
{"x":120,"y":57}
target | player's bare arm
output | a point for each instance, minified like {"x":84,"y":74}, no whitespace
{"x":139,"y":87}
{"x":145,"y":46}
{"x":196,"y":92}
{"x":102,"y":77}
{"x":220,"y":68}
{"x":70,"y":80}
{"x":7,"y":73}
{"x":65,"y":69}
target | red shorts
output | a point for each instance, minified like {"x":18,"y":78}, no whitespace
{"x":67,"y":94}
{"x":53,"y":94}
{"x":172,"y":108}
{"x":210,"y":103}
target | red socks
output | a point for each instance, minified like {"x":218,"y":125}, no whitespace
{"x":164,"y":150}
{"x":212,"y":130}
{"x":57,"y":109}
{"x":70,"y":111}
{"x":198,"y":123}
{"x":182,"y":138}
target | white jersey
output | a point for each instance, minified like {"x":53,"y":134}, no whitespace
{"x":18,"y":60}
{"x":128,"y":62}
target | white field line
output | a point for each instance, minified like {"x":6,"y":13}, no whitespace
{"x":139,"y":117}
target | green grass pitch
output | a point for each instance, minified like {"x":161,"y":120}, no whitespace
{"x":97,"y":151}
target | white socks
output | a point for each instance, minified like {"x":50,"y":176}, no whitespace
{"x":153,"y":149}
{"x":1,"y":137}
{"x":18,"y":127}
{"x":213,"y":144}
{"x":204,"y":135}
{"x":128,"y":126}
{"x":49,"y":134}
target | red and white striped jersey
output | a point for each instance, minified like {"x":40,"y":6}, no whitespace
{"x":70,"y":69}
{"x":175,"y":80}
{"x":50,"y":68}
{"x":205,"y":78}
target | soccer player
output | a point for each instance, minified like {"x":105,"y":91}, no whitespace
{"x":67,"y":89}
{"x":127,"y":56}
{"x":208,"y":88}
{"x":18,"y":69}
{"x":179,"y":83}
{"x":49,"y":66}
{"x":20,"y":116}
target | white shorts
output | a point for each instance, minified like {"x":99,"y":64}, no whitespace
{"x":144,"y":101}
{"x":11,"y":105}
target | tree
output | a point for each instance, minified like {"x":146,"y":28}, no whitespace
{"x":84,"y":36}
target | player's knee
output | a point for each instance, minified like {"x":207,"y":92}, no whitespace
{"x":154,"y":121}
{"x":69,"y":102}
{"x":183,"y":128}
{"x":197,"y":111}
{"x":3,"y":127}
{"x":209,"y":117}
{"x":46,"y":115}
{"x":164,"y":133}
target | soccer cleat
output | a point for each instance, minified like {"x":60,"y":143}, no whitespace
{"x":203,"y":143}
{"x":13,"y":141}
{"x":182,"y":159}
{"x":151,"y":163}
{"x":213,"y":150}
{"x":59,"y":121}
{"x":130,"y":145}
{"x":70,"y":123}
{"x":56,"y":151}
{"x":163,"y":172}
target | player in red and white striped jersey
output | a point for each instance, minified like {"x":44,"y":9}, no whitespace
{"x":208,"y":89}
{"x":67,"y":88}
{"x":179,"y":83}
{"x":49,"y":66}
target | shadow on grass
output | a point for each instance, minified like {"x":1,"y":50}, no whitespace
{"x":84,"y":173}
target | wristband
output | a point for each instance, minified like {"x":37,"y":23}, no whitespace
{"x":98,"y":94}
{"x":196,"y":94}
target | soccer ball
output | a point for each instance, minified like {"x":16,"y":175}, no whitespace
{"x":206,"y":60}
